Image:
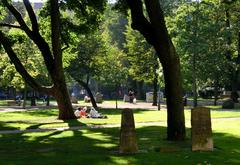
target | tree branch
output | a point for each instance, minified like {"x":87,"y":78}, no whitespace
{"x":10,"y":25}
{"x":139,"y":21}
{"x":31,"y":15}
{"x":20,"y":68}
{"x":18,"y":16}
{"x":156,"y":18}
{"x":34,"y":35}
{"x":55,"y":27}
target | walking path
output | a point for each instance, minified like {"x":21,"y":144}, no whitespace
{"x":96,"y":126}
{"x":121,"y":105}
{"x":139,"y":105}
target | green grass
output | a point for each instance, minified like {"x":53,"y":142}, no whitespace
{"x":31,"y":119}
{"x":99,"y":147}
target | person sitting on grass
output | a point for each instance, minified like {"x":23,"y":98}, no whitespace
{"x":83,"y":112}
{"x":77,"y":112}
{"x":95,"y":114}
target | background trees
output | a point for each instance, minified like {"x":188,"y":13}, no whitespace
{"x":51,"y":53}
{"x":143,"y":62}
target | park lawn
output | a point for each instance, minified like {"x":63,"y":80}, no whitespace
{"x":32,"y":119}
{"x":99,"y":147}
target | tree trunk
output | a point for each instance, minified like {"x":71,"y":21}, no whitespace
{"x":229,"y":38}
{"x":194,"y":83}
{"x":155,"y":87}
{"x":86,"y":87}
{"x":25,"y":95}
{"x":52,"y":56}
{"x":64,"y":103}
{"x":57,"y":73}
{"x":33,"y":99}
{"x":215,"y":93}
{"x":47,"y":100}
{"x":93,"y":101}
{"x":176,"y":120}
{"x":116,"y":98}
{"x":140,"y":92}
{"x":155,"y":32}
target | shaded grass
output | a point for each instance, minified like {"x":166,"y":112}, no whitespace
{"x":99,"y":146}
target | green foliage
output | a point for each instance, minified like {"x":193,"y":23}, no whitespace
{"x":116,"y":23}
{"x":82,"y":57}
{"x":198,"y":31}
{"x":143,"y":63}
{"x":76,"y":17}
{"x":27,"y":54}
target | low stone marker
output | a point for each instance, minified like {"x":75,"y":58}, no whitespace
{"x":201,"y":129}
{"x":74,"y":100}
{"x":98,"y":97}
{"x":128,"y":143}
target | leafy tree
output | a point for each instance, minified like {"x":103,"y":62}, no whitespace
{"x":143,"y":62}
{"x":152,"y":26}
{"x":112,"y":71}
{"x":231,"y":11}
{"x":198,"y":31}
{"x":85,"y":64}
{"x":85,"y":12}
{"x":52,"y":56}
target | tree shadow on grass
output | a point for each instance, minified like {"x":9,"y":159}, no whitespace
{"x":100,"y":146}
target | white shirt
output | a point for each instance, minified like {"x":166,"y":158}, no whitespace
{"x":77,"y":113}
{"x":94,"y":113}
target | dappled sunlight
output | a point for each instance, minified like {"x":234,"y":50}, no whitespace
{"x":126,"y":161}
{"x":65,"y":134}
{"x":105,"y":145}
{"x":228,"y":126}
{"x":100,"y":136}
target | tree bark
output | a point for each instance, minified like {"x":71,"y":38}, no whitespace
{"x":215,"y":92}
{"x":155,"y":32}
{"x":33,"y":99}
{"x":86,"y":87}
{"x":63,"y":100}
{"x":155,"y":87}
{"x":140,"y":92}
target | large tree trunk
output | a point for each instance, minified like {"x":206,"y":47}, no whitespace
{"x":155,"y":32}
{"x":176,"y":120}
{"x":60,"y":89}
{"x":64,"y":104}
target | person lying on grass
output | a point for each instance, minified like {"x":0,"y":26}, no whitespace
{"x":95,"y":114}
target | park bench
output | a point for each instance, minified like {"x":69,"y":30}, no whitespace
{"x":13,"y":103}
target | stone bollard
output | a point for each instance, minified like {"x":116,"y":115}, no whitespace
{"x":201,"y":129}
{"x":128,"y":143}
